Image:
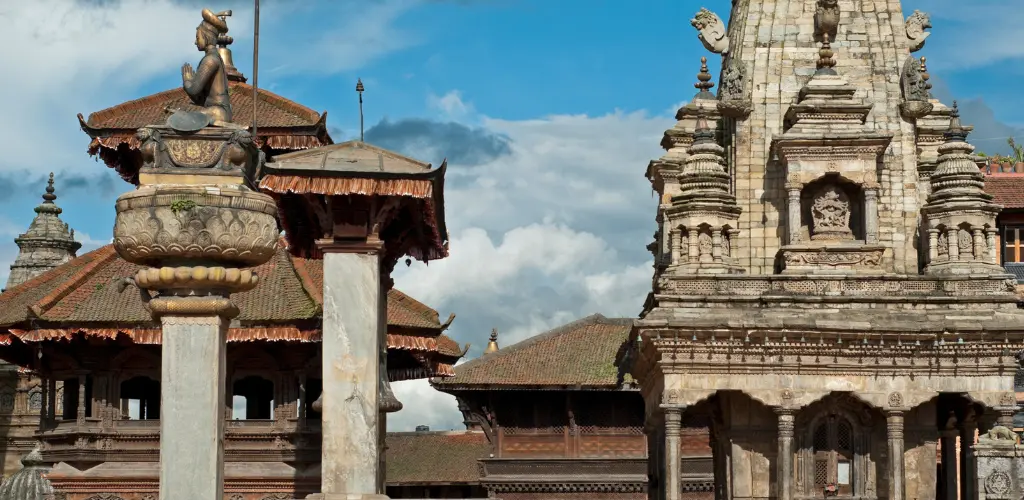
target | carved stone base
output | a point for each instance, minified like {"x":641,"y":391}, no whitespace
{"x":735,"y":108}
{"x":913,"y":110}
{"x":705,"y":268}
{"x":963,"y":268}
{"x":832,"y":258}
{"x":216,"y":151}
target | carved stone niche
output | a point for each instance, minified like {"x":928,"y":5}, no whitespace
{"x":831,"y":234}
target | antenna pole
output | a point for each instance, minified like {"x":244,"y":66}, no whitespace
{"x":360,"y":89}
{"x":255,"y":66}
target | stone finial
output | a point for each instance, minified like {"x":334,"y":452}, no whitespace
{"x":492,"y":345}
{"x":704,"y":83}
{"x":826,"y":62}
{"x":916,"y":24}
{"x":711,"y":31}
{"x":46,"y":244}
{"x":924,"y":75}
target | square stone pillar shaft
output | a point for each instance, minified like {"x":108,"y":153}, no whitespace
{"x":949,"y":464}
{"x":673,"y":462}
{"x":785,"y":479}
{"x":967,"y":486}
{"x":894,"y":435}
{"x":192,"y":386}
{"x":352,"y":309}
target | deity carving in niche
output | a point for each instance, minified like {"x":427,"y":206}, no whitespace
{"x":965,"y":243}
{"x":943,"y":244}
{"x":726,"y":245}
{"x":830,"y":215}
{"x":704,"y":244}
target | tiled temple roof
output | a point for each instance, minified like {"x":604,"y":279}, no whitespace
{"x":283,"y":124}
{"x":583,"y":353}
{"x":435,"y":457}
{"x":86,"y":297}
{"x":1006,"y":189}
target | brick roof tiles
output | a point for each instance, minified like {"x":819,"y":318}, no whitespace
{"x":1006,"y":189}
{"x":435,"y":457}
{"x":582,"y":353}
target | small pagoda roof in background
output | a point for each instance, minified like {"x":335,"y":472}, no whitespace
{"x":283,"y":124}
{"x":584,"y":354}
{"x":422,"y":458}
{"x":83,"y":298}
{"x":352,"y":158}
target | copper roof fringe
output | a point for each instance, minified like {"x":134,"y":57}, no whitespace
{"x":416,"y":188}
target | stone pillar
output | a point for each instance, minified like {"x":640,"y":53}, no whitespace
{"x":673,"y":462}
{"x":979,"y":245}
{"x":785,"y":459}
{"x":793,"y":210}
{"x":949,"y":464}
{"x":192,"y":388}
{"x":993,"y":252}
{"x":894,"y":428}
{"x":716,"y":244}
{"x":954,"y":244}
{"x":351,"y":343}
{"x":1005,"y":418}
{"x":693,"y":249}
{"x":300,"y":413}
{"x":933,"y":245}
{"x":871,"y":215}
{"x":967,"y":480}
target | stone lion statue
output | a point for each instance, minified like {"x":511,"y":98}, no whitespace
{"x":711,"y":31}
{"x":917,"y":23}
{"x":1000,"y":434}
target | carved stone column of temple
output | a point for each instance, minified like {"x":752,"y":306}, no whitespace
{"x":894,"y":436}
{"x":968,"y":430}
{"x":673,"y":461}
{"x":949,"y":463}
{"x":785,"y":459}
{"x":195,"y":225}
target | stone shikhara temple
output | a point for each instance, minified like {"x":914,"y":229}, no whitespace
{"x":828,"y":287}
{"x":829,"y":316}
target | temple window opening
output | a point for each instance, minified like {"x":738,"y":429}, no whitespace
{"x":140,"y":399}
{"x":252,"y":399}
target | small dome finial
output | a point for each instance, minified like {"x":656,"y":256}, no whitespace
{"x":492,"y":345}
{"x":704,"y":83}
{"x":956,"y":132}
{"x":825,"y":61}
{"x":49,"y":196}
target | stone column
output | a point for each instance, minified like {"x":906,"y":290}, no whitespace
{"x":1005,"y":418}
{"x":693,"y":249}
{"x":192,"y":388}
{"x":933,"y":245}
{"x":793,"y":210}
{"x":954,"y":244}
{"x":785,"y":459}
{"x":949,"y":467}
{"x":871,"y":215}
{"x":300,"y":412}
{"x":51,"y":399}
{"x":673,"y":462}
{"x":894,"y":428}
{"x":716,"y":244}
{"x":967,"y":480}
{"x":979,"y":245}
{"x":993,"y":252}
{"x":351,"y":344}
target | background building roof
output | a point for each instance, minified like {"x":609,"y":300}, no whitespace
{"x":435,"y":457}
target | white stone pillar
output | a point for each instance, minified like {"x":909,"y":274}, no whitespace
{"x":933,"y":245}
{"x":693,"y":249}
{"x":673,"y":462}
{"x":979,"y":245}
{"x":352,"y":308}
{"x":871,"y":215}
{"x":785,"y":459}
{"x":993,"y":252}
{"x":716,"y":244}
{"x":953,"y":240}
{"x":192,"y":388}
{"x":894,"y":428}
{"x":793,"y":210}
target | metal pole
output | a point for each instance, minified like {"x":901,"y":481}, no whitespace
{"x":255,"y":66}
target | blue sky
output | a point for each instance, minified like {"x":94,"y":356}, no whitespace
{"x":547,"y":110}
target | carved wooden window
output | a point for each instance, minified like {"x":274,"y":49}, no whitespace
{"x":833,"y":455}
{"x":1012,"y":244}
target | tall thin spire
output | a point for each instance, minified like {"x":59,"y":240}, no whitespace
{"x":704,"y":83}
{"x":359,"y":90}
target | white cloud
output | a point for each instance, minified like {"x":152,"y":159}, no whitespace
{"x":987,"y":32}
{"x":422,"y":405}
{"x":450,"y":105}
{"x":549,"y":233}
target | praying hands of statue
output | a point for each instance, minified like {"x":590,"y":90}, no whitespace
{"x":186,"y":72}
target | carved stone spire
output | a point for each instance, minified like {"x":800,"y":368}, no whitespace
{"x":704,"y":83}
{"x":46,"y":244}
{"x":961,"y":216}
{"x":704,"y":209}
